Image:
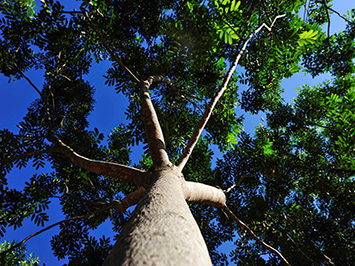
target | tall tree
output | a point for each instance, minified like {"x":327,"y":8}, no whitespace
{"x":176,"y":61}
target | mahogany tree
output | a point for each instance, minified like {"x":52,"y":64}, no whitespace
{"x":175,"y":61}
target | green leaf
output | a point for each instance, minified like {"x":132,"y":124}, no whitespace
{"x":190,"y":6}
{"x":220,"y":62}
{"x":267,"y":148}
{"x":307,"y":37}
{"x":230,"y":40}
{"x":235,"y":5}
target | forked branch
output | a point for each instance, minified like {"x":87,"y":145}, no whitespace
{"x":253,"y":235}
{"x":207,"y":114}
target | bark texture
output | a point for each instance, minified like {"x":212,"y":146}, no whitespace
{"x":153,"y":130}
{"x":162,"y":230}
{"x":201,"y":193}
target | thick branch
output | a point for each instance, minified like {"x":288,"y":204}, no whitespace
{"x":201,"y":193}
{"x":116,"y":170}
{"x":153,"y":130}
{"x":195,"y":136}
{"x":252,"y":234}
{"x":28,"y":154}
{"x":107,"y":47}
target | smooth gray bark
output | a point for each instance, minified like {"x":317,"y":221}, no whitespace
{"x":162,"y":230}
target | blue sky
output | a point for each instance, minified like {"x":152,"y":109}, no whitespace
{"x":108,"y":113}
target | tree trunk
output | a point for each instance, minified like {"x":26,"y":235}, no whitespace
{"x":162,"y":230}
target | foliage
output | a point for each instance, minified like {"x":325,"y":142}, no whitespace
{"x":297,"y":177}
{"x":17,"y":256}
{"x":295,"y":174}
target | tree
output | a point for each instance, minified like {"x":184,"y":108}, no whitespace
{"x":175,"y":62}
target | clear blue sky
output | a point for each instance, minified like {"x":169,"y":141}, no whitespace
{"x":108,"y":113}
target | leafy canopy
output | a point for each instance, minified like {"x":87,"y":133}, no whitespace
{"x":294,"y":177}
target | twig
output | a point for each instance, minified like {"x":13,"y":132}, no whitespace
{"x":336,"y":12}
{"x":28,"y":80}
{"x":108,"y":206}
{"x":327,"y":10}
{"x":236,"y":184}
{"x":328,"y":259}
{"x":253,"y":235}
{"x":210,"y":209}
{"x":72,"y":12}
{"x":113,"y":56}
{"x":198,"y":130}
{"x":179,"y":93}
{"x":95,"y":203}
{"x":305,"y":255}
{"x":130,"y":200}
{"x":28,"y":154}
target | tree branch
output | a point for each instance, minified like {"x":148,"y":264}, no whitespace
{"x":28,"y":154}
{"x":130,"y":200}
{"x":252,"y":234}
{"x":304,"y":254}
{"x":28,"y":80}
{"x":107,"y":47}
{"x":327,"y":10}
{"x":336,"y":12}
{"x":328,"y":259}
{"x":237,"y":184}
{"x":94,"y":203}
{"x":153,"y":130}
{"x":178,"y":92}
{"x":317,"y":169}
{"x":108,"y":206}
{"x":201,"y":193}
{"x":195,"y":136}
{"x":126,"y":173}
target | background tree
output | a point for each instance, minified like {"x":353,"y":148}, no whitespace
{"x":179,"y":73}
